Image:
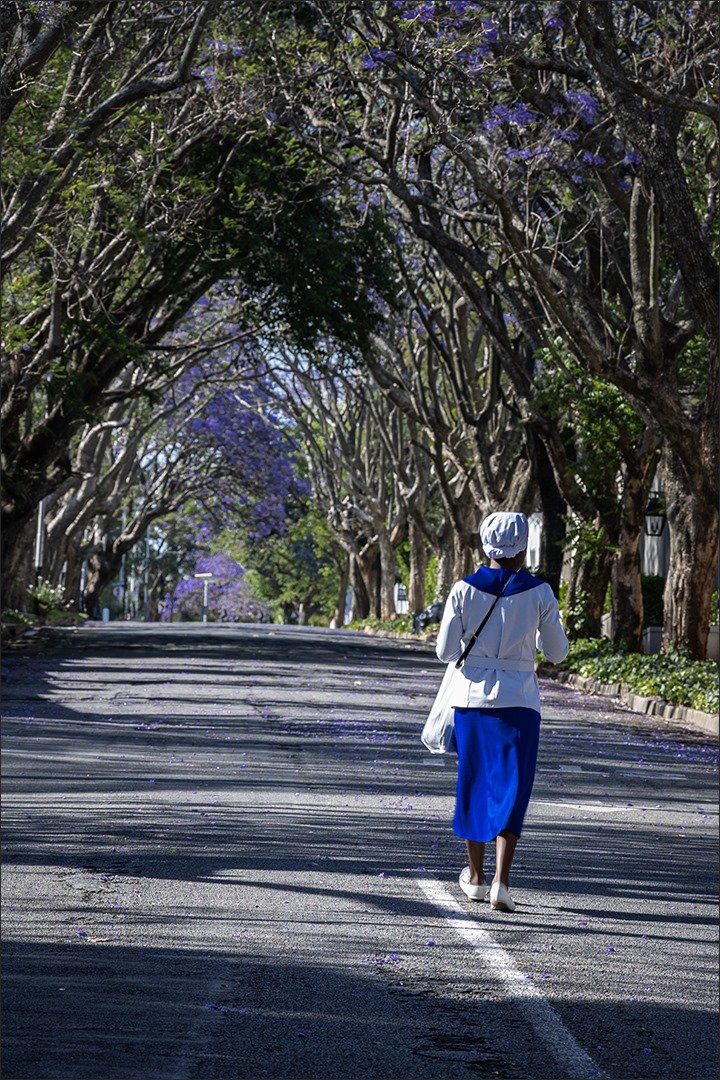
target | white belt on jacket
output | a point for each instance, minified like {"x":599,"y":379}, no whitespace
{"x":495,"y":663}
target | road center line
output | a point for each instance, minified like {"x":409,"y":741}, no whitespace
{"x":570,"y":1056}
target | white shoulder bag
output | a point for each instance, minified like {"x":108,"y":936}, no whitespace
{"x":438,"y":734}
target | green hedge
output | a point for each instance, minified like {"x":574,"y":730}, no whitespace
{"x":402,"y":623}
{"x":673,"y":676}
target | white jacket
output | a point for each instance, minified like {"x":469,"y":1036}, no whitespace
{"x":499,"y":671}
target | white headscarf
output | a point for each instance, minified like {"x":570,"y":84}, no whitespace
{"x":504,"y":534}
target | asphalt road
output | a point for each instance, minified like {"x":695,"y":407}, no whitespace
{"x":227,"y":855}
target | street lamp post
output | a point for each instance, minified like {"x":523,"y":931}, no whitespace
{"x":40,"y":541}
{"x":206,"y":581}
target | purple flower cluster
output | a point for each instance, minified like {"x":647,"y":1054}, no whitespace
{"x":584,"y":104}
{"x":376,"y":56}
{"x":518,"y":114}
{"x":229,"y":599}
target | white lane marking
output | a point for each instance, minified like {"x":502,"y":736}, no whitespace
{"x":570,"y":1056}
{"x":596,"y":808}
{"x":599,"y":808}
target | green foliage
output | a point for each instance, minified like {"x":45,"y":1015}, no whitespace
{"x":66,"y":618}
{"x":431,"y":579}
{"x":672,"y":676}
{"x":714,"y":609}
{"x":598,"y":426}
{"x":693,"y":367}
{"x":587,"y":541}
{"x":401,"y":624}
{"x":12,"y":615}
{"x":300,"y":567}
{"x":576,"y":614}
{"x":309,"y":257}
{"x":45,"y":597}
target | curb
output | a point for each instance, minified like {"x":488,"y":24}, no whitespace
{"x":708,"y":723}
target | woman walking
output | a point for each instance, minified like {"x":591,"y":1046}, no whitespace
{"x":497,"y":706}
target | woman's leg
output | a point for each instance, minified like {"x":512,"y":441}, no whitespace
{"x":505,"y":844}
{"x":476,"y":861}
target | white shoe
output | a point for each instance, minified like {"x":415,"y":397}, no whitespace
{"x":500,"y":898}
{"x":473,"y":892}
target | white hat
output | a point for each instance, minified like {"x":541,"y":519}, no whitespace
{"x":504,"y":535}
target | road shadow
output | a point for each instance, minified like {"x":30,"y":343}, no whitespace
{"x":89,"y":1010}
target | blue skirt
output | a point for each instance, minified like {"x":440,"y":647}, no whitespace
{"x":497,"y":754}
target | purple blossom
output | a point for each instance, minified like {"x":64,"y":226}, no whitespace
{"x":377,"y":56}
{"x":529,"y":155}
{"x":229,"y":599}
{"x":424,"y":12}
{"x":518,"y":114}
{"x":46,"y":10}
{"x":561,"y":135}
{"x":632,"y":158}
{"x":489,"y":30}
{"x":586,"y":106}
{"x":473,"y":60}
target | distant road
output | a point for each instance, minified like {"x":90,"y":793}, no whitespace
{"x":227,"y":855}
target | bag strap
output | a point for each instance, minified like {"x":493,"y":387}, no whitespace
{"x":459,"y":663}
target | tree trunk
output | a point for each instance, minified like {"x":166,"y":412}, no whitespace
{"x":446,"y":564}
{"x":463,"y":557}
{"x":102,"y":567}
{"x":303,"y":613}
{"x":418,"y":568}
{"x":388,"y":575}
{"x":18,"y":572}
{"x":338,"y":620}
{"x":369,"y":563}
{"x":627,"y":600}
{"x":586,"y":595}
{"x":361,"y":597}
{"x":692,"y":517}
{"x":554,"y":520}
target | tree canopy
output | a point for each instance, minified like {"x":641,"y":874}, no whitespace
{"x":464,"y":252}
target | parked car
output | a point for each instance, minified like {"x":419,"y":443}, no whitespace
{"x":423,"y":619}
